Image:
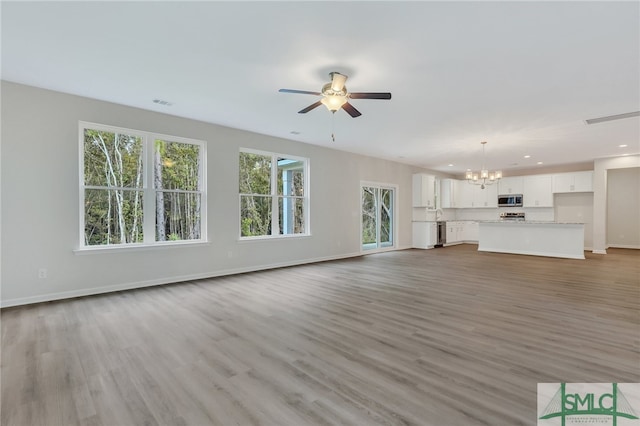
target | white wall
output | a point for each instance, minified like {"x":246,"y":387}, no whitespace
{"x":40,"y":212}
{"x":576,"y":207}
{"x":623,"y":208}
{"x":602,"y":167}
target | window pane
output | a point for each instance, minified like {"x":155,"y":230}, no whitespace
{"x":112,"y":216}
{"x":369,"y":213}
{"x":176,"y":165}
{"x":291,"y":215}
{"x":386,"y":216}
{"x":112,"y":159}
{"x":177,"y":216}
{"x":255,"y":174}
{"x":255,"y":215}
{"x":290,"y":177}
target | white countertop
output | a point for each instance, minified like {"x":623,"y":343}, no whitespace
{"x":524,"y":222}
{"x":531,"y":222}
{"x":450,"y":220}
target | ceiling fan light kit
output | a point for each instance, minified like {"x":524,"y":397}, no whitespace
{"x":335,"y":96}
{"x":485,"y":177}
{"x":334,"y":102}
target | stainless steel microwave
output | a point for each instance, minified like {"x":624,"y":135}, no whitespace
{"x":510,"y":200}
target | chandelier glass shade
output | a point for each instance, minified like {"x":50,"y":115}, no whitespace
{"x":485,"y":177}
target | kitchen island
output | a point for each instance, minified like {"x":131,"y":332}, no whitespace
{"x":537,"y":238}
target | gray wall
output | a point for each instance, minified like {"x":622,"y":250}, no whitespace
{"x":576,"y":207}
{"x":40,"y":212}
{"x":603,"y":192}
{"x":623,"y":208}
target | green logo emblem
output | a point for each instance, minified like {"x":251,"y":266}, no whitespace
{"x":587,"y":403}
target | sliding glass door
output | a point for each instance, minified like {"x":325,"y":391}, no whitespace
{"x":378,"y":216}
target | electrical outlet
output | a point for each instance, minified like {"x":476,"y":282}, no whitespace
{"x":42,"y":273}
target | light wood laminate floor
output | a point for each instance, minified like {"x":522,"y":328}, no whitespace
{"x":440,"y":337}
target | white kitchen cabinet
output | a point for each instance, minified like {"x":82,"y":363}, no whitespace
{"x":455,"y":232}
{"x":464,"y":195}
{"x":511,"y":185}
{"x":487,"y":197}
{"x":471,"y":229}
{"x":573,"y":182}
{"x":473,"y":196}
{"x":538,"y":191}
{"x":449,"y":193}
{"x":425,"y":234}
{"x":460,"y":231}
{"x":424,"y":191}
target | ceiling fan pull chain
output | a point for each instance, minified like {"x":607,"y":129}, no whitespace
{"x":333,"y":126}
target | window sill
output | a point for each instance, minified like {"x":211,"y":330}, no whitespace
{"x":138,"y":247}
{"x":272,"y":237}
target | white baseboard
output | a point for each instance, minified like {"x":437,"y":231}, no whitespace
{"x":535,"y":253}
{"x":169,"y":280}
{"x":624,"y":246}
{"x":599,"y":252}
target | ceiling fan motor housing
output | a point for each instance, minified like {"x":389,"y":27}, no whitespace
{"x":328,"y":91}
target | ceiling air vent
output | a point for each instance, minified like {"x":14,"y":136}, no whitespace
{"x":612,"y":117}
{"x":161,"y":102}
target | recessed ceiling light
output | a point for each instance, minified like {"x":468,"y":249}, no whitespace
{"x":539,"y":162}
{"x":527,"y":156}
{"x":450,"y":165}
{"x":622,"y":146}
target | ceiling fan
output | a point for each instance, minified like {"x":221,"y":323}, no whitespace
{"x":335,"y":96}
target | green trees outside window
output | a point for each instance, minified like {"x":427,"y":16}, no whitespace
{"x":273,"y":197}
{"x":140,"y":188}
{"x":377,"y":217}
{"x":177,"y":184}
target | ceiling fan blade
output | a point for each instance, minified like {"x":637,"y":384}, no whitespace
{"x":303,"y":92}
{"x":351,"y":110}
{"x":337,"y":81}
{"x":364,"y":95}
{"x":310,"y":107}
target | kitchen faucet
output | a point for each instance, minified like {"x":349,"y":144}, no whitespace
{"x":439,"y":213}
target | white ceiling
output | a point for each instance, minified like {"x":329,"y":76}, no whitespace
{"x":522,"y":75}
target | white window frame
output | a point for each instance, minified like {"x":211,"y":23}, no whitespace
{"x":275,"y":197}
{"x":148,"y":189}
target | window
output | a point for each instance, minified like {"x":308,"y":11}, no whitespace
{"x":273,"y":195}
{"x":377,"y":217}
{"x":139,"y":187}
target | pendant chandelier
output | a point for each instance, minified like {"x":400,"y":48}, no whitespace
{"x":485,"y":177}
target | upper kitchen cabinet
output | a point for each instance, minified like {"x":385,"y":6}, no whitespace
{"x":537,"y":191}
{"x":573,"y":182}
{"x":487,"y":197}
{"x":449,"y":193}
{"x":511,"y":185}
{"x":473,"y":196}
{"x":424,"y":191}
